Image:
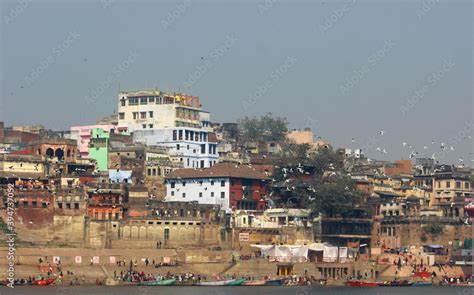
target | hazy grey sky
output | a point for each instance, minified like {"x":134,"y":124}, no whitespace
{"x":345,"y":68}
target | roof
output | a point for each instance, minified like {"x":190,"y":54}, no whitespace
{"x":218,"y":170}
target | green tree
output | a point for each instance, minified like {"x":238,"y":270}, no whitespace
{"x":265,"y":128}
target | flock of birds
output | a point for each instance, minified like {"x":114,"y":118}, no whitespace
{"x":435,"y":156}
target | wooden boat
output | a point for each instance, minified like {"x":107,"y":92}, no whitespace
{"x":422,"y":284}
{"x":254,"y":283}
{"x":159,"y":283}
{"x":278,"y":282}
{"x":361,"y":284}
{"x":43,"y":282}
{"x":215,"y":283}
{"x":235,"y":282}
{"x":396,"y":284}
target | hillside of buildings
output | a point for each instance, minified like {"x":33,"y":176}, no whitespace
{"x":160,"y":177}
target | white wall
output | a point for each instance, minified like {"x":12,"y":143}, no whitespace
{"x":192,"y":188}
{"x":189,"y":152}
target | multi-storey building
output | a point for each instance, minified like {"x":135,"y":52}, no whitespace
{"x":83,"y":134}
{"x":225,"y":184}
{"x":194,"y":147}
{"x":151,"y":109}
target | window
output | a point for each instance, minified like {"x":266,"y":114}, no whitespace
{"x":178,"y":146}
{"x":121,"y":116}
{"x":133,"y":101}
{"x":180,"y":134}
{"x":143,"y":100}
{"x":116,"y":216}
{"x":25,"y":204}
{"x":76,"y":205}
{"x":184,"y":183}
{"x":244,"y":220}
{"x":103,"y":216}
{"x":222,"y":235}
{"x":458,"y":184}
{"x":174,"y":135}
{"x":212,"y":182}
{"x":172,"y":193}
{"x":149,"y":172}
{"x":188,"y":162}
{"x":150,"y":126}
{"x":203,"y":148}
{"x":200,"y":194}
{"x":151,"y":99}
{"x":222,"y":182}
{"x":150,"y":114}
{"x":154,"y":171}
{"x":135,"y":115}
{"x":167,"y":234}
{"x":60,"y":205}
{"x":466,"y":185}
{"x":222,"y":195}
{"x":144,"y":126}
{"x":34,"y":204}
{"x":212,"y":194}
{"x":448,"y":184}
{"x":202,"y":163}
{"x":122,"y":102}
{"x":142,"y":115}
{"x":96,"y":215}
{"x":68,"y":205}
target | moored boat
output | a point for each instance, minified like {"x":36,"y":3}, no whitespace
{"x":235,"y":282}
{"x":215,"y":283}
{"x":43,"y":282}
{"x":396,"y":284}
{"x":158,"y":283}
{"x":277,"y":282}
{"x":254,"y":283}
{"x":361,"y":284}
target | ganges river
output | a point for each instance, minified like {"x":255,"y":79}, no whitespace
{"x":131,"y":290}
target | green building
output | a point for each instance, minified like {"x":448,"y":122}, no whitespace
{"x":99,"y":148}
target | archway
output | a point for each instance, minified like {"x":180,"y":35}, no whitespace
{"x":49,"y":153}
{"x":59,"y":153}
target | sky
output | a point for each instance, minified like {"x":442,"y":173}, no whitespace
{"x":346,"y":69}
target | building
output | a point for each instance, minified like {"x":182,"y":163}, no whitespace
{"x":151,"y":109}
{"x":54,"y":149}
{"x":227,"y":185}
{"x":83,"y":134}
{"x":194,"y":147}
{"x":99,"y":145}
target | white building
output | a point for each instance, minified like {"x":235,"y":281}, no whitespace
{"x":194,"y":147}
{"x":151,"y":109}
{"x":226,"y":185}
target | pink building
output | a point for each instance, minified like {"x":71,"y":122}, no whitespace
{"x":83,"y":135}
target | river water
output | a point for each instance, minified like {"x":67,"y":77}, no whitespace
{"x":242,"y":290}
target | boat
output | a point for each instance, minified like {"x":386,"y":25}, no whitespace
{"x":235,"y":282}
{"x":422,"y":284}
{"x":215,"y":283}
{"x":158,"y":283}
{"x":277,"y":282}
{"x":396,"y":284}
{"x":254,"y":283}
{"x":43,"y":282}
{"x":361,"y":284}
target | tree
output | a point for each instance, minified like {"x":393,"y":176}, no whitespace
{"x":266,"y":128}
{"x":316,"y":180}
